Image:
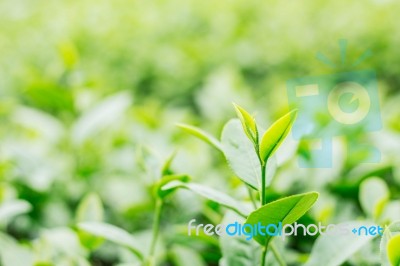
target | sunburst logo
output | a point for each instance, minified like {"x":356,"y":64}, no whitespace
{"x":341,"y":104}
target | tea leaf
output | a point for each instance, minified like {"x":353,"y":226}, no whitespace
{"x":240,"y":154}
{"x":393,"y":230}
{"x":374,"y":194}
{"x":211,"y":194}
{"x":13,"y":208}
{"x":275,"y":135}
{"x":112,"y":233}
{"x":391,"y":212}
{"x":393,"y":250}
{"x":335,"y":249}
{"x":201,"y":134}
{"x":58,"y":240}
{"x":248,"y":123}
{"x":12,"y":253}
{"x":90,"y":209}
{"x":183,"y":256}
{"x":166,"y":168}
{"x":100,"y":117}
{"x":286,"y":210}
{"x":236,"y":250}
{"x":162,"y":193}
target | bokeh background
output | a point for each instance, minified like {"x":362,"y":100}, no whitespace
{"x":90,"y":92}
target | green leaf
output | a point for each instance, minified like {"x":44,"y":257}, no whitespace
{"x":236,"y":250}
{"x":101,"y":117}
{"x":69,"y":54}
{"x":90,"y":209}
{"x":391,"y":212}
{"x":240,"y":154}
{"x":248,"y":123}
{"x":201,"y":134}
{"x":335,"y":249}
{"x":393,"y":250}
{"x":275,"y":135}
{"x":211,"y":194}
{"x":166,"y":168}
{"x":13,"y":208}
{"x":286,"y":210}
{"x":162,"y":193}
{"x":183,"y":256}
{"x":374,"y":194}
{"x":393,"y":230}
{"x":113,"y":234}
{"x":12,"y":253}
{"x":56,"y":244}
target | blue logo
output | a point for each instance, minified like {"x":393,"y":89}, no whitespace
{"x":342,"y":104}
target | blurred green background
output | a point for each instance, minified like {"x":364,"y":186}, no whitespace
{"x":90,"y":92}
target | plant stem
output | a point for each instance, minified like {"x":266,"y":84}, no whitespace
{"x":156,"y":229}
{"x":263,"y":173}
{"x":278,"y":256}
{"x":263,"y":165}
{"x":263,"y":255}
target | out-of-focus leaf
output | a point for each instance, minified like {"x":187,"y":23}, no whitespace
{"x":101,"y":116}
{"x":112,"y":233}
{"x":201,"y":134}
{"x":286,"y":210}
{"x":43,"y":263}
{"x":48,"y":95}
{"x":236,"y":250}
{"x":374,"y":194}
{"x":393,"y":230}
{"x":391,"y":212}
{"x":69,"y":54}
{"x":240,"y":154}
{"x":393,"y":250}
{"x":159,"y":187}
{"x":13,"y":208}
{"x":44,"y":125}
{"x":211,"y":194}
{"x":335,"y":248}
{"x":13,"y":254}
{"x":276,"y":134}
{"x":248,"y":123}
{"x":183,"y":256}
{"x":166,"y":168}
{"x":58,"y":244}
{"x":90,"y":209}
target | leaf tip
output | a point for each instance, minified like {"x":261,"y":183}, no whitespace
{"x":293,"y":114}
{"x":248,"y":123}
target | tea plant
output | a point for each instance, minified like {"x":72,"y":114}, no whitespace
{"x":249,"y":161}
{"x":250,"y":165}
{"x":374,"y":197}
{"x":117,"y":235}
{"x":248,"y":153}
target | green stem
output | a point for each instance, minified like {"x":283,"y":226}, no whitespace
{"x":278,"y":256}
{"x":263,"y":177}
{"x":263,"y":174}
{"x":156,"y":229}
{"x":263,"y":256}
{"x":263,"y":201}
